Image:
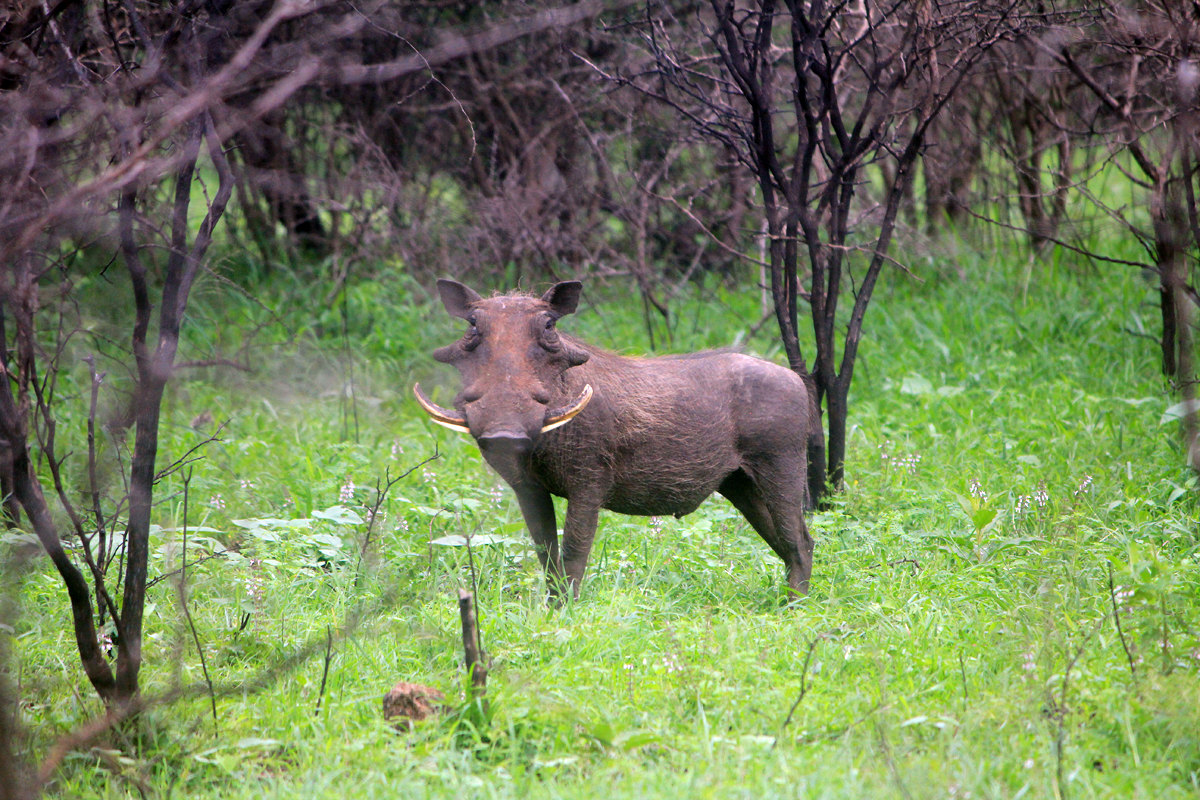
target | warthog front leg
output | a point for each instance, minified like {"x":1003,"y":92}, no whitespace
{"x":578,"y":532}
{"x":537,"y":506}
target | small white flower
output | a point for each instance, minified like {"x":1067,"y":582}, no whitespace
{"x":347,"y":493}
{"x":216,"y":502}
{"x":1029,"y":763}
{"x":1041,"y":496}
{"x":1024,"y":503}
{"x":255,"y":591}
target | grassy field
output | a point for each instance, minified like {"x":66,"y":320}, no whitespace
{"x":1008,"y":458}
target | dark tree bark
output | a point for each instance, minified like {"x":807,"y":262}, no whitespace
{"x":1141,"y":103}
{"x":849,"y":94}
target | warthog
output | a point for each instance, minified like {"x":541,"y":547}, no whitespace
{"x":649,"y":436}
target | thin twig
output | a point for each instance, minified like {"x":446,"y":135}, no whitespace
{"x":213,"y":362}
{"x":916,"y":565}
{"x":186,"y":459}
{"x":803,"y":681}
{"x":160,"y":578}
{"x":1060,"y":711}
{"x":886,"y":748}
{"x":1055,"y":240}
{"x":380,"y":496}
{"x":1112,"y":594}
{"x":962,"y":668}
{"x":349,"y":356}
{"x":325,"y":669}
{"x":183,"y":603}
{"x":97,"y":512}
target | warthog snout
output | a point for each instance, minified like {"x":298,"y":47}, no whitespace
{"x":505,"y":442}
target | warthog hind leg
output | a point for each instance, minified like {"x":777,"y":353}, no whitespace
{"x":778,"y":517}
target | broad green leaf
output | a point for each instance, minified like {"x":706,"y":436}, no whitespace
{"x":602,"y":732}
{"x":982,"y":517}
{"x":633,"y":741}
{"x":340,"y":515}
{"x":253,"y":741}
{"x":916,"y":385}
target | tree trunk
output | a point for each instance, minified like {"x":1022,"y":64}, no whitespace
{"x":836,"y":408}
{"x":1166,"y":305}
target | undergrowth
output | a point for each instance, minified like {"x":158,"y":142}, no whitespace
{"x":1014,"y":489}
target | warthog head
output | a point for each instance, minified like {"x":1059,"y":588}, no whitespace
{"x":512,"y":360}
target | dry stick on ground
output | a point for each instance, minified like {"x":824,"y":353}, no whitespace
{"x":187,"y":613}
{"x":474,"y":583}
{"x":473,"y":654}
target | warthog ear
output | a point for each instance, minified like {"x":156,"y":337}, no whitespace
{"x":563,"y":297}
{"x":456,"y":297}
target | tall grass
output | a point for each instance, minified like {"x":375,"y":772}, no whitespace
{"x":1007,"y":456}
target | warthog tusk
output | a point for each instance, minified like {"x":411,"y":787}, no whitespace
{"x":560,"y":417}
{"x":442,"y":416}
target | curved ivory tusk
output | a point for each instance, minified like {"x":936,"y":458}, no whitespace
{"x":442,"y":416}
{"x":560,"y":417}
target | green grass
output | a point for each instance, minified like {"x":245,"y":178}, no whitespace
{"x":946,"y":657}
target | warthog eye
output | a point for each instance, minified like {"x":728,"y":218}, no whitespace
{"x":471,"y":340}
{"x":550,"y":337}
